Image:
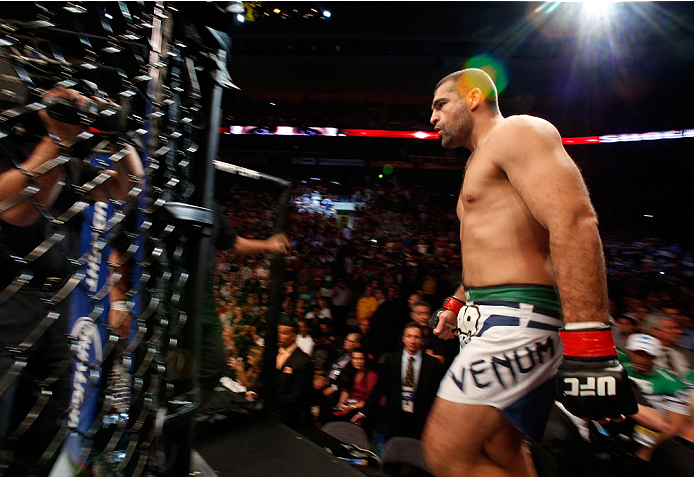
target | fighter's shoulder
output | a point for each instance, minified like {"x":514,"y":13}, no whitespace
{"x":526,"y":127}
{"x":518,"y":139}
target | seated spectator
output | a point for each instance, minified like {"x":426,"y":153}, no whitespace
{"x":321,"y":353}
{"x":667,"y":329}
{"x":327,"y":384}
{"x":660,"y":388}
{"x":249,"y":377}
{"x":326,"y":327}
{"x":356,"y":384}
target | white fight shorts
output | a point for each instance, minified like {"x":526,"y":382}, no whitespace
{"x":509,"y":356}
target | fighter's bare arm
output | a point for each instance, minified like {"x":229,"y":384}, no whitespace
{"x":529,"y":150}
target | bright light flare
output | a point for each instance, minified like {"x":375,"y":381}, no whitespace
{"x":240,"y":18}
{"x":597,"y":10}
{"x":327,"y":14}
{"x":599,"y":13}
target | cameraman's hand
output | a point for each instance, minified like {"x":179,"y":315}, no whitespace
{"x":66,"y":132}
{"x":278,"y":244}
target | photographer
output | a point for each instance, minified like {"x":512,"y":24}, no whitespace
{"x":36,"y":157}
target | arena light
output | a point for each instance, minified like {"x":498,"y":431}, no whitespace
{"x":327,"y":14}
{"x":597,"y":10}
{"x":599,"y":29}
{"x":240,"y":18}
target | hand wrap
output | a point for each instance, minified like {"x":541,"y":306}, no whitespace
{"x":451,"y":304}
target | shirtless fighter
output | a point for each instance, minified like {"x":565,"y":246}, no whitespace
{"x":531,"y":256}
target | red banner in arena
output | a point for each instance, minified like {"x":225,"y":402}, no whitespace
{"x":329,"y":131}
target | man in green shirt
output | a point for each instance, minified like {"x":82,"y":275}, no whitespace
{"x":662,"y":389}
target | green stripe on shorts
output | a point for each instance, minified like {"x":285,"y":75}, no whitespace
{"x":543,"y":296}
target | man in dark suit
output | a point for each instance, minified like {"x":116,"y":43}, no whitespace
{"x":408,"y":380}
{"x":293,"y":378}
{"x":443,"y":350}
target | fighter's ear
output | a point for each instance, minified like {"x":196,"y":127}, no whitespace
{"x":475,"y":98}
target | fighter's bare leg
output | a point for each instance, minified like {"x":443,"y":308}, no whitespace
{"x":473,"y":440}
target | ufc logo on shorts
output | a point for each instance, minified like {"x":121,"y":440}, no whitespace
{"x":600,"y":386}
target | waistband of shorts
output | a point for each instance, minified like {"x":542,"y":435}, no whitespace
{"x":541,"y":296}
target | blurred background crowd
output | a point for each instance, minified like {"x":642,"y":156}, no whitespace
{"x":356,"y":288}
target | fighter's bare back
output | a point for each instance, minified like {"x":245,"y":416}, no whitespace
{"x":501,"y":241}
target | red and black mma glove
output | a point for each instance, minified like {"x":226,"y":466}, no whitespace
{"x":451,"y":304}
{"x":590,"y":382}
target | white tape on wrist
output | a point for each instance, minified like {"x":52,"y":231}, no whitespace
{"x":585,"y":325}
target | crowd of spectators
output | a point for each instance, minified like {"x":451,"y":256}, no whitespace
{"x":339,"y":114}
{"x":356,"y":289}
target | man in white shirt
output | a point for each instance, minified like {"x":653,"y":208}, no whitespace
{"x":303,"y":339}
{"x":667,"y":329}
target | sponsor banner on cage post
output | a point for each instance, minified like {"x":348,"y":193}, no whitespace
{"x":87,"y":330}
{"x":88,"y":327}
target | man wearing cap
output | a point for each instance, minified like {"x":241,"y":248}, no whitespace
{"x":661,"y":388}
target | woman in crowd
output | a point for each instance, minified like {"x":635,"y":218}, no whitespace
{"x":357,"y":382}
{"x":249,"y":377}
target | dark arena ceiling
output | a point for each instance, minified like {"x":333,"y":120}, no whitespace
{"x":373,"y":65}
